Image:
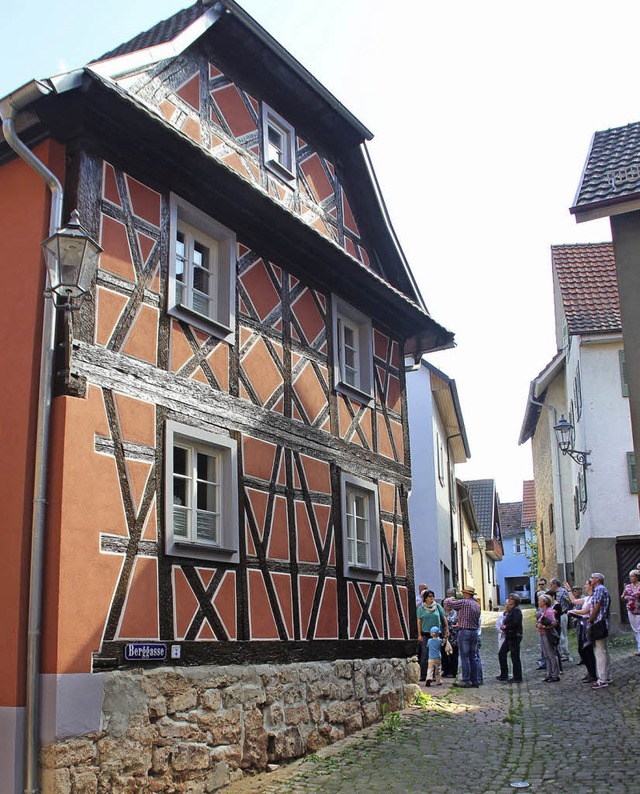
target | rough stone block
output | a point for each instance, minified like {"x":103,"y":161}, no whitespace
{"x":183,"y":700}
{"x":190,"y":756}
{"x":84,"y":782}
{"x":343,"y":669}
{"x":73,"y":752}
{"x":254,"y":748}
{"x":56,"y":781}
{"x":294,"y":715}
{"x":371,"y":712}
{"x":315,"y":741}
{"x":157,"y":707}
{"x":123,"y":755}
{"x":174,"y":729}
{"x":211,"y":699}
{"x":294,"y":693}
{"x":274,"y":715}
{"x":225,"y":727}
{"x":285,"y":745}
{"x":246,"y":694}
{"x":160,"y":759}
{"x":353,"y":723}
{"x":228,"y":754}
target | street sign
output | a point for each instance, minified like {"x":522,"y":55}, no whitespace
{"x":145,"y":652}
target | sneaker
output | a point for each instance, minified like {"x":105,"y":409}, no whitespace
{"x":500,"y":678}
{"x":599,"y":685}
{"x":465,"y":684}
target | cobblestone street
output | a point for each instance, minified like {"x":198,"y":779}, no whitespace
{"x":554,"y":737}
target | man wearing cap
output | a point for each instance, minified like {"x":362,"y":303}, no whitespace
{"x":599,"y":627}
{"x":468,"y":623}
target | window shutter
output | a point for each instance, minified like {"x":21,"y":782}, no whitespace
{"x":623,"y":374}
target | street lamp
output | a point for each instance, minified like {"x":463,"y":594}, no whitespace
{"x":564,"y":436}
{"x":71,"y":255}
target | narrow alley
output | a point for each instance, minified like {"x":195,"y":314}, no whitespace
{"x":563,"y":737}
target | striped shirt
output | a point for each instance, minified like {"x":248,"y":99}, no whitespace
{"x":468,"y":612}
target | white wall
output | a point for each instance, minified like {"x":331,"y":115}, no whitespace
{"x":426,"y":503}
{"x":605,"y":430}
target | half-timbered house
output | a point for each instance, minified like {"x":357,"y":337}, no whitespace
{"x":227,"y":573}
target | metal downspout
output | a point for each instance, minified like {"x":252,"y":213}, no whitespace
{"x":8,"y":110}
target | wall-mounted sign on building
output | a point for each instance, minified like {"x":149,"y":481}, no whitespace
{"x":145,"y":652}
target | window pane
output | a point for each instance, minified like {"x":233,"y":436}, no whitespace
{"x":207,"y":466}
{"x":207,"y":526}
{"x":207,"y":496}
{"x":180,"y":460}
{"x":363,"y":554}
{"x":276,"y":145}
{"x":180,"y":521}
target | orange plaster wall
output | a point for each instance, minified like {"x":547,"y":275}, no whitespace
{"x":85,"y":501}
{"x":24,"y":223}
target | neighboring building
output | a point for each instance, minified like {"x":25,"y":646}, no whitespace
{"x":468,"y":551}
{"x":587,"y":518}
{"x":229,"y":458}
{"x":515,"y":523}
{"x":488,"y":541}
{"x":438,"y":443}
{"x":610,"y":187}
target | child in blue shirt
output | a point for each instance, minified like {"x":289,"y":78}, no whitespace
{"x":434,"y":644}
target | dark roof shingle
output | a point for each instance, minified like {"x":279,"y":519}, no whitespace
{"x":160,"y":33}
{"x":588,"y":287}
{"x":482,"y":493}
{"x":612,"y":170}
{"x":510,"y":518}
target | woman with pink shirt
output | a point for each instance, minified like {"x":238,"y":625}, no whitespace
{"x":631,"y":595}
{"x":546,"y":625}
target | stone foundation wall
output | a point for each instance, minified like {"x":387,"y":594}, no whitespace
{"x":196,"y":729}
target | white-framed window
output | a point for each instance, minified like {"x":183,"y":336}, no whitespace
{"x":201,"y":493}
{"x":632,"y":471}
{"x":360,"y":527}
{"x":518,"y":545}
{"x":440,"y":458}
{"x":202,"y":270}
{"x":278,"y":144}
{"x":352,"y":350}
{"x":577,"y":392}
{"x":623,"y":374}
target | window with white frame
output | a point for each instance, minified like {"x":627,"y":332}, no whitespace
{"x":632,"y":471}
{"x":623,"y":374}
{"x":361,"y":527}
{"x":201,"y":495}
{"x":518,"y":545}
{"x":202,"y":270}
{"x":440,"y":458}
{"x":278,"y":144}
{"x":353,"y":350}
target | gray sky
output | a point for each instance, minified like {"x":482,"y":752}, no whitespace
{"x":482,"y":115}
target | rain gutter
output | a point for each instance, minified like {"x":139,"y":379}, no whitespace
{"x":10,"y":106}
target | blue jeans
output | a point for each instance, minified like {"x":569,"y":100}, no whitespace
{"x":468,"y":647}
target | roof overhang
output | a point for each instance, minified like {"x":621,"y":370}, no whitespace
{"x":445,"y":395}
{"x":87,"y":105}
{"x":605,"y":209}
{"x":537,"y":390}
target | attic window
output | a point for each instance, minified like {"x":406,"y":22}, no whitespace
{"x":278,"y":144}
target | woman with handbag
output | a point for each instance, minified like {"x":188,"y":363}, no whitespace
{"x":585,"y":642}
{"x":631,"y":596}
{"x":546,"y":626}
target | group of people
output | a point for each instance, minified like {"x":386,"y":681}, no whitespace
{"x":451,"y":631}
